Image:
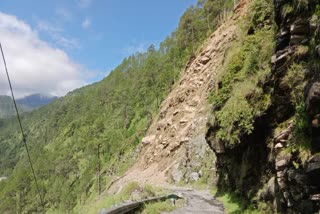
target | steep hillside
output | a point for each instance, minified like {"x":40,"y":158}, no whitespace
{"x":101,"y":123}
{"x":175,"y":148}
{"x":230,"y":100}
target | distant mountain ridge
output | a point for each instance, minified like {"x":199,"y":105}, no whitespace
{"x":36,"y":100}
{"x":24,"y":104}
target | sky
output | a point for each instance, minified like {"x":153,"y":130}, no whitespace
{"x":55,"y":46}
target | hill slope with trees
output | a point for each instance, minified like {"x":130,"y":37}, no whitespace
{"x":111,"y":115}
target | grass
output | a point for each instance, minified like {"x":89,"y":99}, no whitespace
{"x":158,"y":207}
{"x":95,"y":203}
{"x":232,"y":203}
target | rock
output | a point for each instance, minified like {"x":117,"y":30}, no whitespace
{"x":300,"y":179}
{"x":299,"y":27}
{"x":313,"y":23}
{"x":291,"y":174}
{"x":317,"y":50}
{"x":176,"y":174}
{"x":283,"y":39}
{"x":204,"y":60}
{"x":280,"y":174}
{"x":281,"y":164}
{"x":184,"y":120}
{"x":185,"y":140}
{"x":282,"y":183}
{"x":316,"y":121}
{"x":289,"y":203}
{"x":315,"y":197}
{"x":286,"y":195}
{"x":194,"y":176}
{"x":271,"y":186}
{"x":297,"y":39}
{"x":3,"y":178}
{"x":217,"y":145}
{"x":148,"y":139}
{"x":278,"y":146}
{"x":281,"y":60}
{"x":314,"y":158}
{"x":313,"y":167}
{"x":313,"y":99}
{"x":284,"y":135}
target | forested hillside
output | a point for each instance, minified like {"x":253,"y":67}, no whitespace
{"x":7,"y":107}
{"x":109,"y":117}
{"x":24,"y":104}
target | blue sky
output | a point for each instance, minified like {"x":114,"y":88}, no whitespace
{"x":95,"y":35}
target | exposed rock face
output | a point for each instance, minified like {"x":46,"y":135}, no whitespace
{"x":298,"y":183}
{"x":176,"y":137}
{"x":291,"y":185}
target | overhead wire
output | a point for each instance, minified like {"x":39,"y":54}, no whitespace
{"x":21,"y":128}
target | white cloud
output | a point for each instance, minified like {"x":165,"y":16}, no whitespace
{"x":33,"y":64}
{"x":83,"y":3}
{"x":86,"y":23}
{"x":55,"y":33}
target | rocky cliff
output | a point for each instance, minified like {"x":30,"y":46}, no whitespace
{"x":278,"y":162}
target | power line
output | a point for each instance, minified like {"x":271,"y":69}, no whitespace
{"x":19,"y":120}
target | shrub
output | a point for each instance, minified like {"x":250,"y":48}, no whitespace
{"x":235,"y":119}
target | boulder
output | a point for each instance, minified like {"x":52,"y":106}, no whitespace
{"x":291,"y":174}
{"x":300,"y":26}
{"x":176,"y":174}
{"x":280,"y":174}
{"x":316,"y":121}
{"x":284,"y":135}
{"x":281,"y":164}
{"x":286,"y":195}
{"x":148,"y":139}
{"x":194,"y":176}
{"x":315,"y":197}
{"x":217,"y":146}
{"x":313,"y":171}
{"x":283,"y":39}
{"x":272,"y":187}
{"x":282,"y":183}
{"x":281,"y":59}
{"x":204,"y":60}
{"x":278,"y":146}
{"x":313,"y":23}
{"x":313,"y":99}
{"x":297,"y":39}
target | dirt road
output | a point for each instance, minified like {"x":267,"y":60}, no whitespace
{"x":198,"y":202}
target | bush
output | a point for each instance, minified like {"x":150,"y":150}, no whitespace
{"x":235,"y":119}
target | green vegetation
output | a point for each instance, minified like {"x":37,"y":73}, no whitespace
{"x":158,"y":207}
{"x":240,"y":97}
{"x":109,"y":117}
{"x":126,"y":194}
{"x":233,"y":204}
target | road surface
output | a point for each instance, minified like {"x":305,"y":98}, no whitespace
{"x":201,"y":202}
